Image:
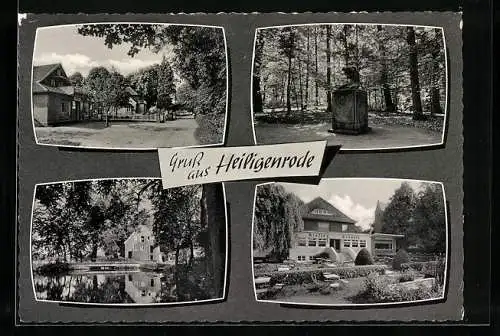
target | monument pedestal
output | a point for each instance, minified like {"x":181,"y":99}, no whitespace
{"x":350,"y":112}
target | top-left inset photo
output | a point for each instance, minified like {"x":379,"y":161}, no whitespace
{"x":129,"y":86}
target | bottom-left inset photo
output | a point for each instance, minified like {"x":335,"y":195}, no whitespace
{"x":128,"y":241}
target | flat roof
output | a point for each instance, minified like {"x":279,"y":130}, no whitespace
{"x":387,"y":235}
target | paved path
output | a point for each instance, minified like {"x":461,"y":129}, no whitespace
{"x":379,"y":137}
{"x":130,"y":135}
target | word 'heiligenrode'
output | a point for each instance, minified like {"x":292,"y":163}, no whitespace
{"x":253,"y":162}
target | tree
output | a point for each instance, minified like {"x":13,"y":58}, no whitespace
{"x":277,"y":216}
{"x":287,"y":40}
{"x":430,"y":218}
{"x":413,"y":65}
{"x":328,"y":68}
{"x":145,"y":83}
{"x":166,"y":87}
{"x":398,"y":215}
{"x":256,"y":89}
{"x":76,"y":79}
{"x":389,"y":106}
{"x":106,"y":88}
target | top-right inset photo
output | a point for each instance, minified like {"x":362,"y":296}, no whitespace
{"x":361,"y":86}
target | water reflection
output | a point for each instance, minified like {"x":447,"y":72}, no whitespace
{"x":124,"y":287}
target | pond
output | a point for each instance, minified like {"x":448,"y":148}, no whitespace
{"x":129,"y":287}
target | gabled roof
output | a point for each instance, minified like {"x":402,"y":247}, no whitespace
{"x":336,"y":214}
{"x":40,"y":72}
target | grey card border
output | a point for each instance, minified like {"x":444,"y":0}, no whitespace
{"x":438,"y":164}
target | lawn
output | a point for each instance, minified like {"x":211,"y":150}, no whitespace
{"x":385,"y":133}
{"x":122,"y":134}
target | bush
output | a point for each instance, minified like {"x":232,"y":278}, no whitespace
{"x":400,"y":258}
{"x":408,"y":275}
{"x":363,"y":258}
{"x":378,"y":290}
{"x":417,"y":266}
{"x":435,"y":269}
{"x":295,"y":277}
{"x":53,"y":268}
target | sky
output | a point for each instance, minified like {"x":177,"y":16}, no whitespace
{"x":357,"y":198}
{"x":63,"y":44}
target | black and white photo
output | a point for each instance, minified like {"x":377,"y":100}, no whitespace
{"x":129,"y":85}
{"x":128,"y":242}
{"x":362,"y":86}
{"x":350,"y":241}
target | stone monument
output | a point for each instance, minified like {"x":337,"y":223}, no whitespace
{"x":350,"y":106}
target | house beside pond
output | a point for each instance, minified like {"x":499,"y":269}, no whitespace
{"x":141,"y":246}
{"x":326,"y":227}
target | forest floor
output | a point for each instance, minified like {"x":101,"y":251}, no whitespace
{"x":385,"y":133}
{"x":121,"y":134}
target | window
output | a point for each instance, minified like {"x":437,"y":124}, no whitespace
{"x":73,"y":105}
{"x":323,"y":227}
{"x":63,"y":107}
{"x":347,"y":243}
{"x":143,"y":293}
{"x":130,"y":277}
{"x":311,"y":258}
{"x":142,"y":239}
{"x":152,"y":282}
{"x":311,"y":242}
{"x":362,"y":243}
{"x":383,"y":246}
{"x":344,"y":227}
{"x":302,"y":242}
{"x":151,"y":256}
{"x":321,"y":212}
{"x":151,"y":249}
{"x":301,"y":258}
{"x":354,"y":243}
{"x":322,"y":242}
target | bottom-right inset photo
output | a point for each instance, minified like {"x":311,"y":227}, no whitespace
{"x":350,"y":242}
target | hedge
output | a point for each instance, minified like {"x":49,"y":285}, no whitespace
{"x":305,"y":276}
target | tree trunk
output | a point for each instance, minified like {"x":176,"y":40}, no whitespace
{"x":435,"y":94}
{"x":257,"y":95}
{"x":214,"y":217}
{"x":328,"y":70}
{"x":389,"y":105}
{"x":300,"y":86}
{"x":288,"y":86}
{"x":316,"y":96}
{"x":346,"y":47}
{"x":307,"y":68}
{"x":177,"y":249}
{"x":413,"y":65}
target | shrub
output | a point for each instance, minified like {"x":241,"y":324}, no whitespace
{"x":378,"y":290}
{"x":408,"y":275}
{"x":363,"y":258}
{"x":400,"y":258}
{"x":53,"y":268}
{"x":417,"y":266}
{"x":295,"y":277}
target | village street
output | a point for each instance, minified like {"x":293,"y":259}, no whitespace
{"x":121,"y":134}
